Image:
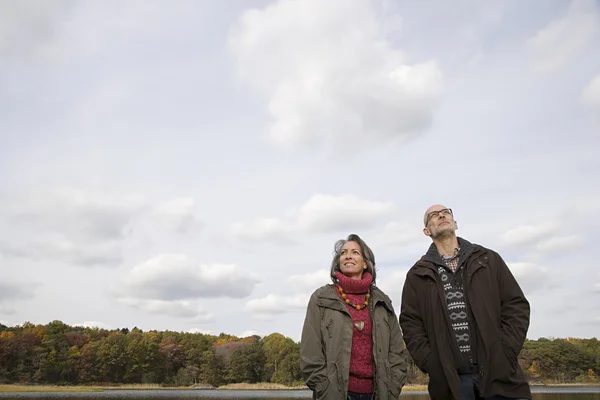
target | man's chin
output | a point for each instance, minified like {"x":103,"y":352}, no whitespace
{"x":448,"y":232}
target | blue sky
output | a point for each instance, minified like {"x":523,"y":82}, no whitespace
{"x":188,"y":165}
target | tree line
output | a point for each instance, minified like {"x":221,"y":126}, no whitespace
{"x":57,"y":353}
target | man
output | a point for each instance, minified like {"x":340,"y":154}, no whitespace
{"x":464,"y":317}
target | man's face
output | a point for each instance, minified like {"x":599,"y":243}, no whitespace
{"x":439,"y":222}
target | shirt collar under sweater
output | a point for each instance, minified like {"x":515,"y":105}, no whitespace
{"x":355,"y":286}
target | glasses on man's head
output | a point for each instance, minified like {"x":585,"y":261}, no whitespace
{"x":434,"y":214}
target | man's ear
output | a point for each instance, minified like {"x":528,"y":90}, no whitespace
{"x":426,"y":232}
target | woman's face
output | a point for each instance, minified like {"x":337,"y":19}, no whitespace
{"x":352,"y":262}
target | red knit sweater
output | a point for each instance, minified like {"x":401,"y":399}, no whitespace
{"x":361,"y":357}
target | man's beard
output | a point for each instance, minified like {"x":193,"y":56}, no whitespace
{"x":446,"y":232}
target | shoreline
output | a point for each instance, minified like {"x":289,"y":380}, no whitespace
{"x":236,"y":386}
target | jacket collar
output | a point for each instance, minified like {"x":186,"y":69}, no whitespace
{"x":426,"y":265}
{"x":327,"y":297}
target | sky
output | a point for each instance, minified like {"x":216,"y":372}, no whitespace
{"x":188,"y":165}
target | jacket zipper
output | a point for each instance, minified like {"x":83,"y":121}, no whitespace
{"x":371,"y":311}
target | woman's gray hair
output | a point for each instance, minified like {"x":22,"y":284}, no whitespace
{"x":366,"y":251}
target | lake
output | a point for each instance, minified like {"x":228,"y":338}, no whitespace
{"x":539,"y":393}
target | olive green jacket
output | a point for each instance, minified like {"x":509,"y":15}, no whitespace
{"x":327,"y":342}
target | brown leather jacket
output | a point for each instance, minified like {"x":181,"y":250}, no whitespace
{"x":499,"y":313}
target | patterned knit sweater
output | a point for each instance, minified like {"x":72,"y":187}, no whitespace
{"x":361,"y":357}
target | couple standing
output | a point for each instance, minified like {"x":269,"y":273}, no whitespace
{"x":464,"y":319}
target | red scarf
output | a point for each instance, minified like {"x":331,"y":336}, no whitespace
{"x":361,"y":357}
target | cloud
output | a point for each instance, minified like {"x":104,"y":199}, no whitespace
{"x":198,"y":330}
{"x":591,"y":94}
{"x":93,"y":324}
{"x":320,"y":214}
{"x":541,"y":238}
{"x":58,"y":248}
{"x":311,"y":280}
{"x":248,"y":334}
{"x":329,"y":73}
{"x":394,"y":282}
{"x":173,"y":308}
{"x":271,"y":305}
{"x":592,"y":321}
{"x":561,"y":243}
{"x":85,"y":227}
{"x":69,"y":225}
{"x":178,"y":214}
{"x":263,"y":229}
{"x":597,"y":285}
{"x":14,"y":291}
{"x":396,"y":234}
{"x":10,"y":291}
{"x":325,"y":214}
{"x":530,"y":276}
{"x":527,"y":234}
{"x":28,"y":27}
{"x":563,"y":39}
{"x":91,"y":215}
{"x":168,"y":277}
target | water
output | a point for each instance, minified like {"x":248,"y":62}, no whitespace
{"x":539,"y":393}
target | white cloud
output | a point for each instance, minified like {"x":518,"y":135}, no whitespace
{"x":92,"y":324}
{"x":530,"y":276}
{"x":562,"y":40}
{"x":320,"y":214}
{"x":178,"y":214}
{"x":56,"y":247}
{"x":561,"y":243}
{"x":27,"y":27}
{"x":76,"y":213}
{"x":168,"y":277}
{"x":396,"y":234}
{"x":10,"y":291}
{"x":311,"y":280}
{"x":542,"y":238}
{"x":272,"y":305}
{"x":263,"y":229}
{"x":527,"y":234}
{"x":591,"y":94}
{"x":202,"y":331}
{"x":84,"y":228}
{"x":330,"y":73}
{"x":323,"y":213}
{"x":174,"y":308}
{"x":249,"y":333}
{"x":393,"y":283}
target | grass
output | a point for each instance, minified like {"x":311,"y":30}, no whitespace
{"x":259,"y":386}
{"x":26,"y":388}
{"x":413,"y":388}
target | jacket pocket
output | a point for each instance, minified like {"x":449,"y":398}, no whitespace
{"x":509,"y":352}
{"x":392,"y":381}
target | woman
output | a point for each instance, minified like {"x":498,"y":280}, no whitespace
{"x":351,"y":345}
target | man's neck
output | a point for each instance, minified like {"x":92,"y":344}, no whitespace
{"x":445,"y":245}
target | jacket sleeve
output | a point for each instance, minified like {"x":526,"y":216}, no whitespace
{"x":397,"y":357}
{"x":514,"y":308}
{"x":312,"y":357}
{"x":413,"y":328}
